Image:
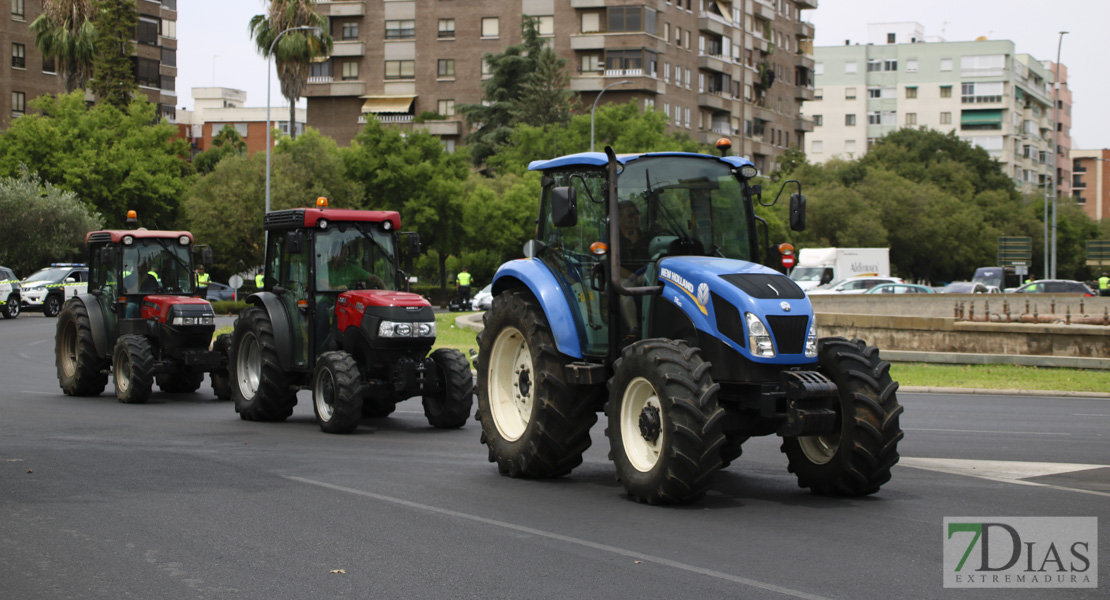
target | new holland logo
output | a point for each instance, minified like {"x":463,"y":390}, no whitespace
{"x":688,"y":288}
{"x":703,"y":294}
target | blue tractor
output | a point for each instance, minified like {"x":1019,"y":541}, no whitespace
{"x":645,"y":295}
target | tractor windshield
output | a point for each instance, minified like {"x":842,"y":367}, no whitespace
{"x":689,"y":202}
{"x":350,"y":258}
{"x":153,"y":266}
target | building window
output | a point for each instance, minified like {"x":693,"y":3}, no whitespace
{"x":818,"y":93}
{"x":19,"y":102}
{"x":350,"y":30}
{"x":168,"y":29}
{"x":818,"y":146}
{"x":446,"y":29}
{"x":945,"y":118}
{"x":146,"y":31}
{"x":946,"y":64}
{"x":818,"y":120}
{"x":486,"y":72}
{"x":850,"y":93}
{"x":491,"y":27}
{"x":874,"y":64}
{"x":688,"y":78}
{"x":546,"y":25}
{"x":397,"y":69}
{"x":686,"y":39}
{"x":591,"y":63}
{"x":400,"y":30}
{"x":911,"y":118}
{"x":169,"y":57}
{"x":320,"y":69}
{"x":945,"y":91}
{"x":48,"y":65}
{"x":818,"y":68}
{"x":890,"y":64}
{"x":350,"y":70}
{"x":666,"y":33}
{"x":146,"y":73}
{"x":17,"y":12}
{"x":850,"y":120}
{"x":850,"y":67}
{"x":446,"y":68}
{"x":591,"y":22}
{"x":168,"y":83}
{"x":987,"y":65}
{"x":911,"y":91}
{"x":19,"y":60}
{"x":873,"y":118}
{"x":446,"y":108}
{"x":981,"y":93}
{"x":911,"y":65}
{"x":850,"y":146}
{"x":874,"y":92}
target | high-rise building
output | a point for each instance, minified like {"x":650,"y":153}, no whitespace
{"x":985,"y":91}
{"x":717,"y":68}
{"x":1091,"y":182}
{"x":29,"y":76}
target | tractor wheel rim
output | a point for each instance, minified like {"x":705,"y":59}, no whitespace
{"x":512,"y":384}
{"x":819,"y":449}
{"x":123,"y":373}
{"x":638,"y":399}
{"x":69,"y":349}
{"x":249,"y":366}
{"x":324,"y":395}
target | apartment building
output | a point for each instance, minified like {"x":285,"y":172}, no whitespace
{"x":717,"y":68}
{"x":984,"y":90}
{"x":1091,"y":182}
{"x":29,"y":75}
{"x":217,"y":107}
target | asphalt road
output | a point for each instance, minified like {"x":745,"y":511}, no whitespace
{"x":179,"y":498}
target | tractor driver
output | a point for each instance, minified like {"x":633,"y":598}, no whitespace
{"x":344,"y":272}
{"x":634,"y":256}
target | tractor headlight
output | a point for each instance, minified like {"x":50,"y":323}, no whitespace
{"x":759,"y":337}
{"x":393,"y":329}
{"x":811,"y":339}
{"x":193,"y":321}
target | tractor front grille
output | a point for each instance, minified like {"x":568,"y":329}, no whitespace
{"x":100,"y":237}
{"x":284,"y":219}
{"x":764,"y":286}
{"x":789,"y":332}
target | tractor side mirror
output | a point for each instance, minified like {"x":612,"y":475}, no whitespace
{"x":413,"y":247}
{"x":797,"y":212}
{"x":757,"y":193}
{"x":294,"y":242}
{"x":564,"y":206}
{"x":532,"y":248}
{"x":206,"y":257}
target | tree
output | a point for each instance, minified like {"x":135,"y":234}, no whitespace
{"x":40,"y":223}
{"x":227,"y":142}
{"x":65,"y":33}
{"x":113,"y":71}
{"x":546,"y":100}
{"x":295,"y":50}
{"x":115,"y":160}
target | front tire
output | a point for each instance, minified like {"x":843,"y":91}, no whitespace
{"x":221,"y":381}
{"x":11,"y":307}
{"x":52,"y":306}
{"x":449,"y":406}
{"x":665,"y":425}
{"x":533,"y":422}
{"x":133,"y":369}
{"x":259,"y":387}
{"x":856,"y":458}
{"x":81,"y":371}
{"x":337,"y":392}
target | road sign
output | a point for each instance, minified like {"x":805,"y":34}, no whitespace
{"x":788,"y":261}
{"x":235,"y":281}
{"x":1098,"y":252}
{"x":1015,"y":251}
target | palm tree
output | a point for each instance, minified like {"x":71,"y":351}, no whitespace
{"x":295,"y":50}
{"x":65,"y":32}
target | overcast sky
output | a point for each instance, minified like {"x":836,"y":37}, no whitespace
{"x":215,"y":47}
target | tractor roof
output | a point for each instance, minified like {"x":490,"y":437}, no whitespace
{"x":298,"y":218}
{"x":598,"y":159}
{"x":115,"y":235}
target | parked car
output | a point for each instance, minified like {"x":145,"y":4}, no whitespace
{"x":1055,"y":286}
{"x":966,"y":287}
{"x":47,"y":289}
{"x":900,"y":288}
{"x":219,"y":291}
{"x":483,"y":299}
{"x":9,"y":293}
{"x":855,"y":285}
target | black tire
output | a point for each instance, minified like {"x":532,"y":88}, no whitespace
{"x":133,"y":369}
{"x":856,"y":459}
{"x":182,"y":382}
{"x":378,"y":405}
{"x":733,"y":448}
{"x":52,"y":305}
{"x":221,"y":381}
{"x":81,"y":371}
{"x":543,"y":431}
{"x":449,"y":407}
{"x":665,"y":424}
{"x":260,"y":388}
{"x":337,"y":392}
{"x":10,"y":310}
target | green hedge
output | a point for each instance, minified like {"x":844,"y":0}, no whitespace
{"x":227,"y":307}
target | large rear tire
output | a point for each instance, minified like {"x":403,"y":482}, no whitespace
{"x":133,"y":369}
{"x":10,"y":310}
{"x":259,"y":387}
{"x":81,"y":371}
{"x":337,"y":392}
{"x":52,"y":305}
{"x":856,"y":458}
{"x":534,"y":423}
{"x":664,"y":431}
{"x":449,"y":407}
{"x":221,"y":381}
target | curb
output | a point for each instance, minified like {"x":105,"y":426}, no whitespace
{"x":917,"y":389}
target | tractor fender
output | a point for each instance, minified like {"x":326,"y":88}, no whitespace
{"x":98,"y":323}
{"x":281,"y":324}
{"x":533,"y":274}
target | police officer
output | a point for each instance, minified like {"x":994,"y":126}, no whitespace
{"x":1104,"y":285}
{"x":202,"y":282}
{"x":462,"y":286}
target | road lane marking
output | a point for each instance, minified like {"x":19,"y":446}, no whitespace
{"x":1088,"y":415}
{"x":568,"y":539}
{"x":986,"y":431}
{"x":1004,"y":471}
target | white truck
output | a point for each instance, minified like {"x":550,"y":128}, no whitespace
{"x":823,"y":267}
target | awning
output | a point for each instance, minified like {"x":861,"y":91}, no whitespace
{"x":387,"y":104}
{"x":726,"y":13}
{"x":991,"y":116}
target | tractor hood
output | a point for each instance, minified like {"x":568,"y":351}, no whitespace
{"x":717,"y":294}
{"x":381,"y":298}
{"x":178,"y":310}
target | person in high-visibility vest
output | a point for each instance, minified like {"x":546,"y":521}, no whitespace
{"x":260,"y":279}
{"x":202,"y":282}
{"x":462,"y":286}
{"x":1104,"y":285}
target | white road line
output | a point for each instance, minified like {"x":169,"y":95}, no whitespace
{"x":38,"y":342}
{"x":39,"y":393}
{"x":986,"y":431}
{"x":1088,"y":415}
{"x":570,"y":540}
{"x":1003,"y":471}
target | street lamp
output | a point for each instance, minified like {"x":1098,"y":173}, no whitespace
{"x":595,"y":106}
{"x":269,"y":58}
{"x":1055,"y":141}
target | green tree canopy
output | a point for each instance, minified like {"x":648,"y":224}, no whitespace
{"x":40,"y":223}
{"x":113,"y":69}
{"x":65,"y":33}
{"x":227,"y":142}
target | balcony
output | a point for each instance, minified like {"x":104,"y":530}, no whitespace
{"x":587,"y":41}
{"x":715,"y":101}
{"x":440,"y":128}
{"x":327,"y":86}
{"x":761,"y":114}
{"x":713,"y":23}
{"x":588,"y":3}
{"x":710,"y":137}
{"x":802,"y":92}
{"x":765,"y":9}
{"x":348,"y":49}
{"x":720,"y":64}
{"x":807,"y":4}
{"x":595,"y":82}
{"x":803,"y":30}
{"x":803,"y":124}
{"x":341,"y":8}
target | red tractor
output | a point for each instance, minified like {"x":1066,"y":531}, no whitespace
{"x":139,"y":320}
{"x":330,"y":318}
